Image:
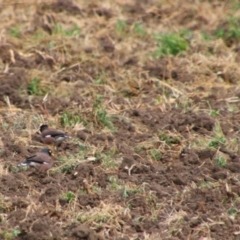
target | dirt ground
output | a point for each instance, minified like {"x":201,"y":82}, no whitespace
{"x":154,"y":152}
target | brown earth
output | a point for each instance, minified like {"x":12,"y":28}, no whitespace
{"x":154,"y":153}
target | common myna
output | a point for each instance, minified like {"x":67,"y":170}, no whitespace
{"x":52,"y":136}
{"x":41,"y":160}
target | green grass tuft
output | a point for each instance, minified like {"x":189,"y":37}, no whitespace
{"x":216,"y":142}
{"x":233,"y":212}
{"x":101,"y":115}
{"x":155,"y":154}
{"x":121,"y":27}
{"x":10,"y":234}
{"x":170,"y":44}
{"x":221,"y":161}
{"x":70,"y":119}
{"x":15,"y":31}
{"x":34,"y":87}
{"x":73,"y":31}
{"x":139,"y":29}
{"x":69,"y":196}
{"x":169,"y":140}
{"x":230,"y":32}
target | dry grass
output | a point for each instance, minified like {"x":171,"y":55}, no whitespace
{"x":94,"y":72}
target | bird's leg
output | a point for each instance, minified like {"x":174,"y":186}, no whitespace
{"x":57,"y":145}
{"x":56,"y":148}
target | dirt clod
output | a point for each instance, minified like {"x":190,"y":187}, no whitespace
{"x":149,"y":93}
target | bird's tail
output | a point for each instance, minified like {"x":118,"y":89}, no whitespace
{"x":23,"y":164}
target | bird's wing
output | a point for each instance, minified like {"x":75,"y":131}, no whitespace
{"x":37,"y":159}
{"x":54,"y":133}
{"x":31,"y":157}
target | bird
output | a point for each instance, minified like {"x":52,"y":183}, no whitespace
{"x":41,"y":160}
{"x":52,"y":136}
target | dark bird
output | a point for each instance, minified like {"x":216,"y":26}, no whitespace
{"x":52,"y":136}
{"x":41,"y":160}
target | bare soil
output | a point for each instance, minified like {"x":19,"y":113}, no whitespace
{"x":165,"y":165}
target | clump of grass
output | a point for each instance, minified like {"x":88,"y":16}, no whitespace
{"x":155,"y":154}
{"x":101,"y":78}
{"x":218,"y":138}
{"x":73,"y":31}
{"x":103,"y":215}
{"x":139,"y":29}
{"x":206,"y":36}
{"x":216,"y":142}
{"x":221,"y":161}
{"x":4,"y":201}
{"x":96,"y":189}
{"x":58,"y":29}
{"x":10,"y":234}
{"x":70,"y":119}
{"x":206,"y":184}
{"x":68,"y":167}
{"x":129,"y":191}
{"x":34,"y":87}
{"x":15,"y":31}
{"x":101,"y":116}
{"x":114,"y":183}
{"x":140,"y":148}
{"x":168,"y":139}
{"x":186,"y":34}
{"x":121,"y":26}
{"x":69,"y":162}
{"x":169,"y":44}
{"x":108,"y":161}
{"x":236,"y":5}
{"x":230,"y":32}
{"x":15,"y":169}
{"x":213,"y":112}
{"x":233,"y":212}
{"x":69,"y":196}
{"x":39,"y":34}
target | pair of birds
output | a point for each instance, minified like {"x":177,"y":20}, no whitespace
{"x":43,"y":159}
